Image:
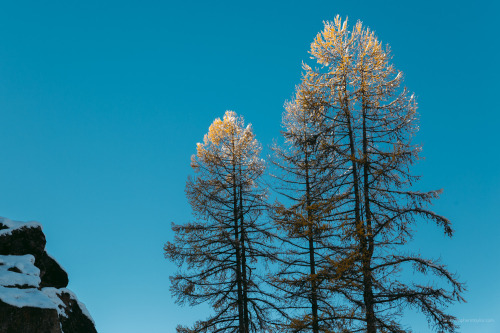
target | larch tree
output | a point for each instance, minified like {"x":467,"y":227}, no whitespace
{"x":305,"y":216}
{"x":368,"y":122}
{"x":219,"y":250}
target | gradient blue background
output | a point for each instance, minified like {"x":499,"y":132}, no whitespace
{"x":102,"y":102}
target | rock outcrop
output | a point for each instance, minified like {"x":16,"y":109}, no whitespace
{"x":33,"y":293}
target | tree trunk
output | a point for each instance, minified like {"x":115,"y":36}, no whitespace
{"x":237,"y":248}
{"x":368,"y":248}
{"x":243,"y":258}
{"x":360,"y":232}
{"x":312,"y":263}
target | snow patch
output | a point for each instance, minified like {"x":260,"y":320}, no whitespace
{"x":13,"y":225}
{"x":54,"y":293}
{"x":47,"y":298}
{"x":29,"y":274}
{"x":30,"y":297}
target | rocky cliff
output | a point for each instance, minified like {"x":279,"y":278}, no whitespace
{"x":33,"y":293}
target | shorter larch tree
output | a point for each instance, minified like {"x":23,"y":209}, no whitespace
{"x":218,"y":252}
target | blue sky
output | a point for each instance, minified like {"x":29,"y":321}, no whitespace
{"x":102,"y":103}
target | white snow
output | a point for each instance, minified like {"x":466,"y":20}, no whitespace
{"x":12,"y":225}
{"x":53,"y":293}
{"x":26,"y":297}
{"x":46,"y":298}
{"x":30,"y":274}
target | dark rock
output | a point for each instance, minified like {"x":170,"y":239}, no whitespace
{"x":28,"y":320}
{"x":14,"y":269}
{"x":76,"y":321}
{"x":51,"y":273}
{"x":59,"y":309}
{"x":31,"y":240}
{"x":25,"y":240}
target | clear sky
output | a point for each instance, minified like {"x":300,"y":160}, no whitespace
{"x":102,"y":103}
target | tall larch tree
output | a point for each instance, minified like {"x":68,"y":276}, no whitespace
{"x":370,"y":120}
{"x":219,"y":250}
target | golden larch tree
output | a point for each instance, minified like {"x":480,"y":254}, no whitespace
{"x":367,"y":123}
{"x":220,"y":249}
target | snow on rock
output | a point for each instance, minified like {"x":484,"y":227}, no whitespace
{"x":33,"y":296}
{"x":21,"y":238}
{"x":19,"y":271}
{"x":30,"y":297}
{"x":10,"y":225}
{"x":56,"y":295}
